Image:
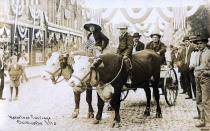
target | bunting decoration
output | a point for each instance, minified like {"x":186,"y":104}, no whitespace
{"x":22,"y":31}
{"x":17,"y":6}
{"x":136,"y":20}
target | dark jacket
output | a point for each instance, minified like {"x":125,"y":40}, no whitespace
{"x":174,"y":58}
{"x":126,"y":45}
{"x":181,"y":58}
{"x":161,"y":48}
{"x":140,"y":46}
{"x":157,"y":48}
{"x":100,"y":38}
{"x":1,"y":68}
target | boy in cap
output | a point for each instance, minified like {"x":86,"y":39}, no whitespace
{"x":15,"y":71}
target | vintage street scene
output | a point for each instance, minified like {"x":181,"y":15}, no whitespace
{"x":114,"y":65}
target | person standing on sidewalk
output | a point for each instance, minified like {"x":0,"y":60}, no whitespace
{"x":23,"y":62}
{"x":202,"y":77}
{"x":2,"y":73}
{"x":15,"y":71}
{"x":184,"y":59}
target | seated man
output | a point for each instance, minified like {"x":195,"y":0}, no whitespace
{"x":125,"y":48}
{"x":157,"y":46}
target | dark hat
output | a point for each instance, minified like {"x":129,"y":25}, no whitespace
{"x":185,"y":38}
{"x":136,"y":35}
{"x":202,"y":38}
{"x":155,"y":34}
{"x":88,"y":24}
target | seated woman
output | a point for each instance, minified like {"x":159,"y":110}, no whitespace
{"x":97,"y":41}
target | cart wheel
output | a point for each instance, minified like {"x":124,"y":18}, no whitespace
{"x":170,"y":87}
{"x":124,"y":94}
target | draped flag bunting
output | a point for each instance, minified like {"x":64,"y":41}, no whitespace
{"x":7,"y":30}
{"x":17,"y":6}
{"x":22,"y":31}
{"x":144,"y":30}
{"x":136,"y":20}
{"x":110,"y":16}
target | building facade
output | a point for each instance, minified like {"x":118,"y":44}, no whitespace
{"x":40,"y":27}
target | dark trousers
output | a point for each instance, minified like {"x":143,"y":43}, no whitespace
{"x":192,"y":82}
{"x":185,"y":82}
{"x":2,"y":83}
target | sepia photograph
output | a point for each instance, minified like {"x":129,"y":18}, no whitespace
{"x":104,"y":65}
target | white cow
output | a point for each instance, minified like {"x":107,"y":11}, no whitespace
{"x":52,"y":65}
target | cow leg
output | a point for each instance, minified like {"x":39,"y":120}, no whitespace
{"x":100,"y":105}
{"x":148,"y":95}
{"x":115,"y":103}
{"x":77,"y":101}
{"x":157,"y":95}
{"x":89,"y":101}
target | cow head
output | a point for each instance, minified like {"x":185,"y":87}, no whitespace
{"x":52,"y":65}
{"x":84,"y":72}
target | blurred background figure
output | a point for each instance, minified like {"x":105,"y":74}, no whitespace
{"x":15,"y":71}
{"x":2,"y":74}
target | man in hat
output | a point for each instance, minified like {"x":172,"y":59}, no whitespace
{"x":1,"y":72}
{"x":157,"y":46}
{"x":193,"y":63}
{"x":184,"y":62}
{"x":202,"y":77}
{"x":125,"y":48}
{"x":137,"y":45}
{"x":97,"y":41}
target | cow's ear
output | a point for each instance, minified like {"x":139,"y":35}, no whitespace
{"x":90,"y":60}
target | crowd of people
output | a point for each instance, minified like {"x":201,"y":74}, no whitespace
{"x":15,"y":65}
{"x":192,"y":58}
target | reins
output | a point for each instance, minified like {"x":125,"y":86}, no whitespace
{"x":90,"y":72}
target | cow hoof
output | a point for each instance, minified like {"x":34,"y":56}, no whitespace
{"x":96,"y":121}
{"x":146,"y":113}
{"x":90,"y":115}
{"x":75,"y":113}
{"x":159,"y":115}
{"x":116,"y":124}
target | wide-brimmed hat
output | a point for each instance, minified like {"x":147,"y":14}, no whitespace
{"x":201,"y":38}
{"x":136,"y":35}
{"x":88,"y":24}
{"x":153,"y":34}
{"x":122,"y":26}
{"x":185,"y":38}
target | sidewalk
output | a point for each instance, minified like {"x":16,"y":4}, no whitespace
{"x":31,"y":72}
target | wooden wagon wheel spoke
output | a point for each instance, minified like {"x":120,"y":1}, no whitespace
{"x":170,"y":87}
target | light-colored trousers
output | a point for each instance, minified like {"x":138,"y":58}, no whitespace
{"x":203,"y":96}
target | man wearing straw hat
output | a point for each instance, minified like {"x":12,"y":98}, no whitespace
{"x":125,"y":48}
{"x":96,"y":40}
